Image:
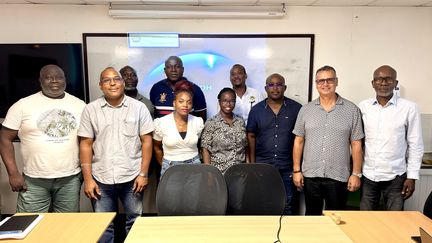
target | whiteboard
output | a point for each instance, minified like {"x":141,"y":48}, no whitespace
{"x":207,"y":59}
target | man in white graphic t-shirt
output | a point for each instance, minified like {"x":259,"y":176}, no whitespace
{"x":46,"y":124}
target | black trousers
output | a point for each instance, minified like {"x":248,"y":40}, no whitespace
{"x":318,"y":190}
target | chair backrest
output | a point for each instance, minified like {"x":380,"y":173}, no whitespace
{"x":254,"y":189}
{"x":193,"y":189}
{"x":427,"y":209}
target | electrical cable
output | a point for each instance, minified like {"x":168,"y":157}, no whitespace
{"x":280,"y":226}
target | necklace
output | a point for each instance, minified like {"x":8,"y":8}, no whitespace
{"x":181,"y":125}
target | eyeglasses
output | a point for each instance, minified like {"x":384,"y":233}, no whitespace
{"x":227,"y":102}
{"x":326,"y":80}
{"x":275,"y":85}
{"x":380,"y":80}
{"x":115,"y":79}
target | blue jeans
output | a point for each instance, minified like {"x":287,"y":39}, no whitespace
{"x":289,"y":190}
{"x":317,"y":190}
{"x":168,"y":163}
{"x":390,"y":191}
{"x":63,"y":193}
{"x":108,"y":202}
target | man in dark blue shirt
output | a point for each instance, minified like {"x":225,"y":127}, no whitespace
{"x":162,"y":92}
{"x":269,"y":130}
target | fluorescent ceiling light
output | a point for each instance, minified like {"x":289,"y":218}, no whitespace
{"x":195,"y":11}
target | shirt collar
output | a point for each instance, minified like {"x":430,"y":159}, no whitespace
{"x":125,"y":102}
{"x":392,"y":101}
{"x":246,"y":90}
{"x":167,"y":80}
{"x":139,"y":97}
{"x":339,"y":100}
{"x":284,"y":103}
{"x":220,"y":118}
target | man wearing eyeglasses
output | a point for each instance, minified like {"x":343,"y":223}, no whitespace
{"x":115,"y":150}
{"x":393,"y":145}
{"x":269,"y":133}
{"x":327,"y":129}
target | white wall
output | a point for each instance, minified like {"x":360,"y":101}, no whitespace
{"x":355,"y":40}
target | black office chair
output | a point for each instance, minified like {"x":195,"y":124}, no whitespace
{"x":254,"y":189}
{"x":192,"y":190}
{"x":427,"y":209}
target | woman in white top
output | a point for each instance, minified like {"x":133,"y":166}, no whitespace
{"x":176,"y":135}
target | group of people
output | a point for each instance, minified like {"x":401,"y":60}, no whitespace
{"x":111,"y":143}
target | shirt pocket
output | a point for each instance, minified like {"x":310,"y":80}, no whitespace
{"x":130,"y":127}
{"x":131,"y":139}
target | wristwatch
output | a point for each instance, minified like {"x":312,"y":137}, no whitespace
{"x":145,"y":175}
{"x":359,"y":175}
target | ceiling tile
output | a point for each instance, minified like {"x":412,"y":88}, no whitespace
{"x":406,"y":3}
{"x":399,"y":2}
{"x":12,"y":1}
{"x":68,"y":2}
{"x":170,"y":1}
{"x":342,"y":2}
{"x":229,"y":2}
{"x":106,"y":2}
{"x":295,"y":2}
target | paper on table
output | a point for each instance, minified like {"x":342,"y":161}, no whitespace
{"x":23,"y":234}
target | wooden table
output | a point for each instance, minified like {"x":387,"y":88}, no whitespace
{"x":236,"y":229}
{"x":382,"y":226}
{"x":68,"y":227}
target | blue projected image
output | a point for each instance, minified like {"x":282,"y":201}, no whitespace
{"x":207,"y":61}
